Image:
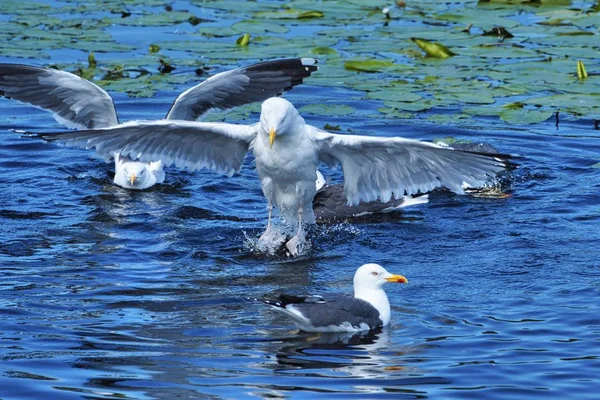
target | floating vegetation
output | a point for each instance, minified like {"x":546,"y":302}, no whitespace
{"x":165,"y":67}
{"x":243,"y":40}
{"x":500,"y":32}
{"x":435,"y":50}
{"x":92,"y":63}
{"x":516,"y":58}
{"x":368,"y":65}
{"x":328,"y":110}
{"x":581,"y":72}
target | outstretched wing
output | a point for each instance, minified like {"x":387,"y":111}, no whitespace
{"x":75,"y":102}
{"x":241,"y":86}
{"x":377,"y":167}
{"x":193,"y":145}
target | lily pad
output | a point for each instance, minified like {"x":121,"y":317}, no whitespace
{"x":156,"y":19}
{"x":310,"y":14}
{"x":534,"y":72}
{"x":328,"y":110}
{"x":289,"y":13}
{"x":525,"y":115}
{"x":368,"y":65}
{"x":323,"y":50}
{"x":258,"y":27}
{"x":435,"y":50}
{"x":394,"y":94}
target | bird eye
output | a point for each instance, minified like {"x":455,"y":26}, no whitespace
{"x":374,"y":273}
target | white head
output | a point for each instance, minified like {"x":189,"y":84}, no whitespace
{"x":368,"y":282}
{"x":373,"y":277}
{"x":136,"y":174}
{"x":278,"y":117}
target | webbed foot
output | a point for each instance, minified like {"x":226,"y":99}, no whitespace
{"x":292,"y":245}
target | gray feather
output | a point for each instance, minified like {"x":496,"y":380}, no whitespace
{"x":385,"y":167}
{"x":333,"y":309}
{"x":241,"y":86}
{"x":76,"y":102}
{"x":220,"y":147}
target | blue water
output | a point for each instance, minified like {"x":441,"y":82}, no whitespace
{"x":107,"y":293}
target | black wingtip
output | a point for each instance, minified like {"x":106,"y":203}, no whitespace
{"x":504,"y":158}
{"x":27,"y":134}
{"x":296,"y":66}
{"x":47,"y":136}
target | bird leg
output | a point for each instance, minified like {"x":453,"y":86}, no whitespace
{"x":267,"y":231}
{"x":292,"y":244}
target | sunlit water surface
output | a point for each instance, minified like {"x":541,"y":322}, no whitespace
{"x":107,"y":293}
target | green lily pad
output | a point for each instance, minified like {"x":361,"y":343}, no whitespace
{"x":310,"y":14}
{"x":521,"y":79}
{"x":368,"y":65}
{"x":525,"y":115}
{"x":258,"y":27}
{"x":328,"y":110}
{"x":289,"y":13}
{"x":435,"y":50}
{"x":156,"y":19}
{"x":415,"y":106}
{"x":390,"y":112}
{"x":323,"y":50}
{"x":394,"y":94}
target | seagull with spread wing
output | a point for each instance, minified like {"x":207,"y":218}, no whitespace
{"x":288,"y":151}
{"x":80,"y":104}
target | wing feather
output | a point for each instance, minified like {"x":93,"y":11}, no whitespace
{"x":192,"y":145}
{"x":75,"y":102}
{"x":241,"y":86}
{"x":381,"y":167}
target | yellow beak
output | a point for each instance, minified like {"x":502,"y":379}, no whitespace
{"x":272,"y":135}
{"x":132,"y":179}
{"x":397,"y":279}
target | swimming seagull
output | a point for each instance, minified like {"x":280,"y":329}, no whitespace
{"x":288,"y":151}
{"x":80,"y":104}
{"x":369,"y":308}
{"x":132,"y":174}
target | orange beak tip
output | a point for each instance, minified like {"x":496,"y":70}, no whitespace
{"x":397,"y":279}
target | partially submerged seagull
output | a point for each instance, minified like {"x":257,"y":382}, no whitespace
{"x":132,"y":174}
{"x":288,"y":151}
{"x":330,"y":203}
{"x":80,"y":104}
{"x":369,"y":308}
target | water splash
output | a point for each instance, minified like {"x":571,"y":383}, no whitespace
{"x":273,"y":243}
